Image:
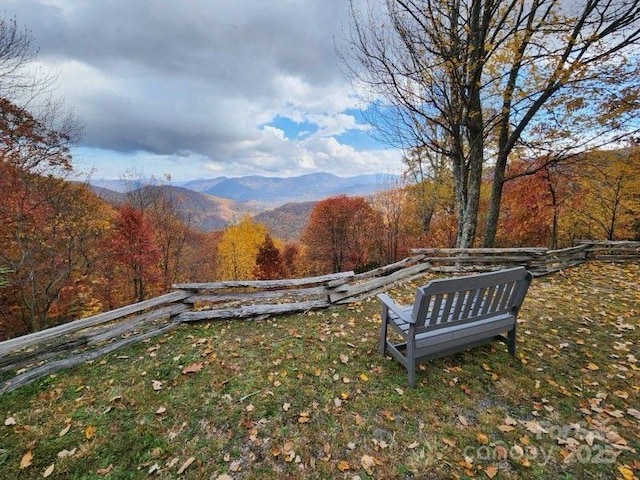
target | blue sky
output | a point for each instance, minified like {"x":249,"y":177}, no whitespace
{"x":205,"y":88}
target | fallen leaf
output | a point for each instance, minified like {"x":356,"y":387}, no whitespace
{"x":286,"y":406}
{"x":388,"y":415}
{"x":400,"y":391}
{"x":26,"y":460}
{"x":448,"y":441}
{"x":186,"y":465}
{"x":66,"y":453}
{"x":161,"y":410}
{"x":250,"y":408}
{"x":224,"y":476}
{"x":105,"y":471}
{"x":413,"y":445}
{"x":364,"y":377}
{"x":482,"y":438}
{"x":491,"y":471}
{"x":193,"y":368}
{"x":368,"y":463}
{"x":627,"y":473}
{"x":344,"y":358}
{"x":534,"y":427}
{"x":506,"y":428}
{"x":10,"y":421}
{"x":304,"y":417}
{"x":49,"y":470}
{"x":634,"y":413}
{"x":89,"y":432}
{"x":593,"y":366}
{"x":64,"y":431}
{"x":157,"y":385}
{"x":463,"y":421}
{"x":343,"y":465}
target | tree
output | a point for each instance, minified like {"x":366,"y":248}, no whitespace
{"x":46,"y":223}
{"x":18,"y":78}
{"x":342,"y":232}
{"x":476,"y":80}
{"x":610,"y":194}
{"x":133,"y":246}
{"x":238,"y":249}
{"x":269,"y":262}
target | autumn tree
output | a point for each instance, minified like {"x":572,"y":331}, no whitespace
{"x":269,"y":261}
{"x":291,"y":258}
{"x":473,"y":81}
{"x":46,"y":223}
{"x":401,"y":223}
{"x":238,"y":249}
{"x":342,"y":232}
{"x":609,"y":203}
{"x":133,"y":246}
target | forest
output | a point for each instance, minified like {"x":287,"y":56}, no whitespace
{"x":68,"y":254}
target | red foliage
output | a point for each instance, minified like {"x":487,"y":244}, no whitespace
{"x":133,"y":246}
{"x":342,"y":233}
{"x":269,"y":264}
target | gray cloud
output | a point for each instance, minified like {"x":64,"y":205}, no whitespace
{"x":171,"y":77}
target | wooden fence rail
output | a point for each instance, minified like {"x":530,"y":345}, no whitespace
{"x":30,"y":357}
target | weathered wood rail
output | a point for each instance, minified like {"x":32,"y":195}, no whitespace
{"x":30,"y":357}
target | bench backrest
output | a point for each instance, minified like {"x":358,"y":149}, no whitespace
{"x":446,"y":302}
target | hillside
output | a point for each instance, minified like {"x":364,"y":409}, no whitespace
{"x":286,"y":222}
{"x":308,"y":396}
{"x":204,"y":212}
{"x":282,"y":204}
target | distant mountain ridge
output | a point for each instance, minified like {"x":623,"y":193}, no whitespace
{"x":275,"y":191}
{"x":283,"y":204}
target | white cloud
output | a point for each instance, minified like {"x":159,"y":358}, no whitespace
{"x":192,"y":87}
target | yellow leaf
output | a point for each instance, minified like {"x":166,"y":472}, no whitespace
{"x":49,"y":470}
{"x":388,"y":415}
{"x":26,"y":460}
{"x":89,"y":432}
{"x":363,"y":377}
{"x":627,"y":473}
{"x":491,"y":471}
{"x":593,"y":366}
{"x":482,"y":438}
{"x":343,"y":465}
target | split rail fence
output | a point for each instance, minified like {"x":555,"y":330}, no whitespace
{"x":36,"y":355}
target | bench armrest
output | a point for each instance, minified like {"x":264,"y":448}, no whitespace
{"x":400,"y":313}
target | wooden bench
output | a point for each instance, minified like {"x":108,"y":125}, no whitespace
{"x":454,"y":314}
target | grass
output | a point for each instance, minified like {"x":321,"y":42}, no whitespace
{"x":308,"y":396}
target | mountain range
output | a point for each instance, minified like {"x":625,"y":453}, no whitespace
{"x":283,"y":204}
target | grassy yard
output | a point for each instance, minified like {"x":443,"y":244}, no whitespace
{"x":308,"y":396}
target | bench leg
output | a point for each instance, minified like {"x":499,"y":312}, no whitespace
{"x":411,"y":365}
{"x":512,"y":342}
{"x":383,"y":331}
{"x":411,"y":371}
